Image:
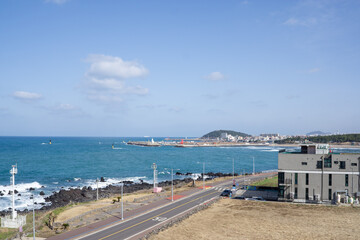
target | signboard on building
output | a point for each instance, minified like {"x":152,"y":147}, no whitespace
{"x":322,"y":148}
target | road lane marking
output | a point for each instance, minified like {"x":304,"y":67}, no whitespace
{"x":159,"y":219}
{"x":155,"y":216}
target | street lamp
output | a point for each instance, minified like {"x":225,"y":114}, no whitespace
{"x":172,"y":183}
{"x":122,"y":201}
{"x":155,"y":173}
{"x":32,"y":197}
{"x":203,"y":175}
{"x":97,"y":189}
{"x":253,"y":165}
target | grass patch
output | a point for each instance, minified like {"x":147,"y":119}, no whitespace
{"x":267,"y":182}
{"x":59,"y":210}
{"x":7,"y":233}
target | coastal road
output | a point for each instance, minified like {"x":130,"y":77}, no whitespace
{"x":140,"y":225}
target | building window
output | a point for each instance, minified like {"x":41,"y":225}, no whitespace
{"x":306,"y":193}
{"x":346,"y":180}
{"x":330,"y":180}
{"x":303,"y":163}
{"x":296,"y":193}
{"x":296,"y":178}
{"x":307,"y":179}
{"x":342,"y":165}
{"x":327,"y":162}
{"x":281,"y":178}
{"x":330,"y":194}
{"x":319,"y":164}
{"x":281,"y":192}
{"x":353,"y":164}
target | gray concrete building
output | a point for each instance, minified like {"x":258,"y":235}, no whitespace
{"x":315,"y":174}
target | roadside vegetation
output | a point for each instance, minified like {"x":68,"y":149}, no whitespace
{"x":344,"y":138}
{"x":267,"y":182}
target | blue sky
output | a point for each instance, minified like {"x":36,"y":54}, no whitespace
{"x":178,"y":68}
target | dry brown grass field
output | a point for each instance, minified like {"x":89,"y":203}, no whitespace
{"x":239,"y":219}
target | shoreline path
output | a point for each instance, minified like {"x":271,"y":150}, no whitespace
{"x":141,"y":221}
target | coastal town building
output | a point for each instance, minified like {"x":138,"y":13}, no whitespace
{"x":315,"y":174}
{"x":270,"y":135}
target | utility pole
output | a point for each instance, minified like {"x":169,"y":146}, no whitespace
{"x":244,"y":176}
{"x":352,"y":181}
{"x":172,"y":186}
{"x":203,"y":175}
{"x":154,"y":167}
{"x":322,"y":177}
{"x":122,"y":201}
{"x":253,"y":165}
{"x":233,"y":171}
{"x":32,"y":196}
{"x":97,"y":189}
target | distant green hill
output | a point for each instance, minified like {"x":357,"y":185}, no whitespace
{"x":217,"y":134}
{"x":324,"y":139}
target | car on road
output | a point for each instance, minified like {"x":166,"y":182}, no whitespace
{"x":226,"y":193}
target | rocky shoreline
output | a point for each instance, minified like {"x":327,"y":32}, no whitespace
{"x":86,"y":194}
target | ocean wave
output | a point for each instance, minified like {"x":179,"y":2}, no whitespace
{"x":22,"y":198}
{"x":21,"y":187}
{"x":358,"y":149}
{"x":270,"y":150}
{"x":111,"y":181}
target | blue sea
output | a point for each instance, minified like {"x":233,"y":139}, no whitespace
{"x":71,"y":162}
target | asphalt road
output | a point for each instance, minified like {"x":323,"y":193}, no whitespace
{"x":137,"y":226}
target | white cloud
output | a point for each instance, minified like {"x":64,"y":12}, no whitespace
{"x":215,"y":76}
{"x":57,"y":1}
{"x":314,"y":70}
{"x":210,"y":96}
{"x":65,"y":109}
{"x":114,"y":67}
{"x":26,"y":95}
{"x":301,"y":22}
{"x":108,"y":77}
{"x":175,"y":109}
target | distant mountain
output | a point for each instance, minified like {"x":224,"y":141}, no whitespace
{"x":318,"y":133}
{"x":217,"y":134}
